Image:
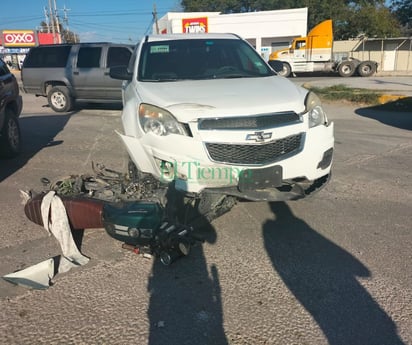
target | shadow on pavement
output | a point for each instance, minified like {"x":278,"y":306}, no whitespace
{"x":323,"y":278}
{"x":314,"y":74}
{"x":81,"y":105}
{"x":185,"y":298}
{"x":396,"y":114}
{"x":384,"y":82}
{"x":98,"y":106}
{"x":185,"y":303}
{"x":37,"y":132}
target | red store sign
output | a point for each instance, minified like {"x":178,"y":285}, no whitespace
{"x":194,"y":25}
{"x":19,"y":38}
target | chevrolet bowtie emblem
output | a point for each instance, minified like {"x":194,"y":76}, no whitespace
{"x":259,"y":136}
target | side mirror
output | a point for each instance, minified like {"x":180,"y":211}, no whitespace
{"x":120,"y":72}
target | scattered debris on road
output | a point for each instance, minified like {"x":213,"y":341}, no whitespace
{"x":144,"y":218}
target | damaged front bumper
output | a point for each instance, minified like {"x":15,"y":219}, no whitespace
{"x":296,"y":173}
{"x":290,"y":190}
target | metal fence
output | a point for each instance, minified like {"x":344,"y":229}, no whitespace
{"x":392,"y":54}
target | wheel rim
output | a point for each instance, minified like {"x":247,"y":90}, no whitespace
{"x":58,"y":100}
{"x":13,"y":135}
{"x":284,"y":71}
{"x":346,"y":69}
{"x":366,"y":69}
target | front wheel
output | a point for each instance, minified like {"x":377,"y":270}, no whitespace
{"x":209,"y":206}
{"x":10,"y":139}
{"x":59,"y":99}
{"x":286,"y":70}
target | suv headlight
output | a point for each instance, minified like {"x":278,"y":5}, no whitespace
{"x":159,"y":121}
{"x":314,"y":109}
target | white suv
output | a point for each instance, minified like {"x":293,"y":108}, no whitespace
{"x":206,"y":112}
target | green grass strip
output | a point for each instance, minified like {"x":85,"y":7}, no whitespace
{"x":342,"y":92}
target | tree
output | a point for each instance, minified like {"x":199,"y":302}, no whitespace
{"x":69,"y":36}
{"x":402,"y":9}
{"x":371,"y":21}
{"x":351,"y":17}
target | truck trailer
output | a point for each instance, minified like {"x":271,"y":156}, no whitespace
{"x":314,"y":53}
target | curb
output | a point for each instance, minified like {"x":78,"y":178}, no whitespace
{"x":386,"y":98}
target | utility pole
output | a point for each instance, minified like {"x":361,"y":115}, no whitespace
{"x":46,"y":15}
{"x":155,"y":18}
{"x":56,"y":17}
{"x":66,"y":20}
{"x":52,"y":21}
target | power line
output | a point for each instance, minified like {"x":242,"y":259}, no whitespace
{"x":141,"y":20}
{"x":149,"y":27}
{"x":114,"y":13}
{"x":20,"y":20}
{"x":80,"y":24}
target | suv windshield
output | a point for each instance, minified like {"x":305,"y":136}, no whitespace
{"x":200,"y":59}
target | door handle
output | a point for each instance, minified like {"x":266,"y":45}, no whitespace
{"x":76,"y":73}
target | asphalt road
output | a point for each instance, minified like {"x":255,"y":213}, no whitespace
{"x":333,"y":269}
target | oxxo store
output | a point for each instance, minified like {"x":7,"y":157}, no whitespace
{"x":265,"y":30}
{"x":15,"y":44}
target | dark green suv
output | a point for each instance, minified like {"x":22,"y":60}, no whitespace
{"x":10,"y":109}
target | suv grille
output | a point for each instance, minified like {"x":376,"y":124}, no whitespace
{"x":255,"y":154}
{"x":250,"y":122}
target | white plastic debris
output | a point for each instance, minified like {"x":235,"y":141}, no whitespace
{"x":36,"y":277}
{"x":56,"y":222}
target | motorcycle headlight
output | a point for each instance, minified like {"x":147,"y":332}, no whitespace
{"x":314,"y":109}
{"x":159,"y":121}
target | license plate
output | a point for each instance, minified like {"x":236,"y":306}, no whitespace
{"x":252,"y":179}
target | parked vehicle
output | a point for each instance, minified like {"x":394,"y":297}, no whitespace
{"x":10,"y":108}
{"x":68,"y":72}
{"x":313,"y":53}
{"x":208,"y":115}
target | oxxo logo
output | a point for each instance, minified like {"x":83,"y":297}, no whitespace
{"x":19,"y":38}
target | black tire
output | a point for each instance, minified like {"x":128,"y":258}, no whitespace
{"x":210,"y":206}
{"x":366,"y":68}
{"x":59,"y":99}
{"x":286,"y":70}
{"x":346,"y":69}
{"x":10,"y":139}
{"x":132,"y":171}
{"x":276,"y":65}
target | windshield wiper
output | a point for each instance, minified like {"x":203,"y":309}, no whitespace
{"x":160,"y":80}
{"x":233,"y":76}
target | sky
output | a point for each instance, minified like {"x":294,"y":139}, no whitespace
{"x":125,"y":21}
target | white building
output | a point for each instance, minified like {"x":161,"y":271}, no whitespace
{"x":266,"y":30}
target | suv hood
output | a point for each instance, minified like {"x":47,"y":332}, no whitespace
{"x":189,"y":100}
